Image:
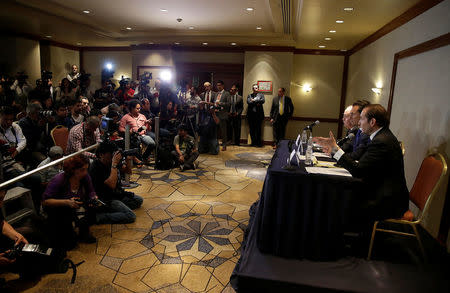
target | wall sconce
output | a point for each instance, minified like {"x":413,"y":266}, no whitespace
{"x":376,"y":90}
{"x":306,"y":87}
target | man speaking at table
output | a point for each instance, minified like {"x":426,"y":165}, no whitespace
{"x":380,"y":167}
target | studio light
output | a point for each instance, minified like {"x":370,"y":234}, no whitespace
{"x":108,"y":66}
{"x":166,"y":75}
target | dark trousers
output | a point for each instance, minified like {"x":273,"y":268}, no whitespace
{"x":234,"y":127}
{"x":223,"y":126}
{"x":279,"y":130}
{"x":188,"y":159}
{"x":254,"y":124}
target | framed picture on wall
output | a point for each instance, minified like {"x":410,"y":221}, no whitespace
{"x":265,"y":86}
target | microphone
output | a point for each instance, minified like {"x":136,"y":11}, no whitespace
{"x":310,"y":126}
{"x":141,"y":128}
{"x":348,"y":137}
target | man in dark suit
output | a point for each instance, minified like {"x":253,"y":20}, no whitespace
{"x":208,"y":96}
{"x":234,"y":116}
{"x":222,"y":103}
{"x":282,"y":109}
{"x":358,"y":144}
{"x":380,"y":167}
{"x":255,"y":115}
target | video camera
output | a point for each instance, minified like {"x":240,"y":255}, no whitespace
{"x":46,"y":113}
{"x":124,"y":81}
{"x":145,"y":78}
{"x":46,"y":76}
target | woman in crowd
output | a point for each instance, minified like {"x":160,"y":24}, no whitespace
{"x":66,"y":193}
{"x":64,"y":91}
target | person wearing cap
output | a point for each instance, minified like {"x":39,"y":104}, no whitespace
{"x":185,"y":152}
{"x":55,"y":153}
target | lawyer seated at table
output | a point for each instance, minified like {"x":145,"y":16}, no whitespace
{"x":380,"y":167}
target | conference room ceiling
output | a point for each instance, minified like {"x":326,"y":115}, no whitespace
{"x":300,"y":23}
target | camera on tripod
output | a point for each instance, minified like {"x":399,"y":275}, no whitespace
{"x":145,"y":78}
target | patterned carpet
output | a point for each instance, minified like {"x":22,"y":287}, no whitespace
{"x":186,"y":237}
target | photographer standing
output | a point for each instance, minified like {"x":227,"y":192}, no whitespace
{"x":185,"y":149}
{"x":105,"y":174}
{"x":22,"y":89}
{"x":207,"y":129}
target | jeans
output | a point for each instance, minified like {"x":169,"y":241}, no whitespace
{"x":149,"y":142}
{"x":208,"y":145}
{"x":120,"y":211}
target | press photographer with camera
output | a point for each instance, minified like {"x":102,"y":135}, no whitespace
{"x":65,"y":194}
{"x":105,"y":173}
{"x":185,"y":151}
{"x":8,"y":237}
{"x":21,"y":88}
{"x":104,"y":96}
{"x":32,"y":127}
{"x":84,"y":135}
{"x":139,"y":125}
{"x":11,"y":132}
{"x":207,"y":129}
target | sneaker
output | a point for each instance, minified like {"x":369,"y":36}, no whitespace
{"x":194,"y":165}
{"x":181,"y":167}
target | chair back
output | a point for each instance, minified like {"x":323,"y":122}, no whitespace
{"x":431,"y":174}
{"x":60,"y":136}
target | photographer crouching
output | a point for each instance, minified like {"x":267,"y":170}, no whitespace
{"x":105,"y":174}
{"x":185,"y":152}
{"x":66,"y":196}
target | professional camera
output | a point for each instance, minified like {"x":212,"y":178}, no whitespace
{"x":46,"y":76}
{"x":124,"y":81}
{"x":20,"y":250}
{"x":95,"y":203}
{"x":145,"y":78}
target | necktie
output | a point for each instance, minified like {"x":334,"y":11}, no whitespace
{"x":357,"y":138}
{"x":207,"y":97}
{"x":281,"y":110}
{"x":233,"y":105}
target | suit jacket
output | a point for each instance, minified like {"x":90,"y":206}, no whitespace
{"x":275,"y":110}
{"x":239,"y":106}
{"x":255,"y":108}
{"x":356,"y":146}
{"x":224,"y":104}
{"x":213,"y":96}
{"x":382,"y":171}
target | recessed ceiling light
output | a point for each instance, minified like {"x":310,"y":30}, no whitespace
{"x":321,"y":46}
{"x":339,"y":21}
{"x":176,"y":43}
{"x":343,"y":50}
{"x":191,"y":27}
{"x":333,"y":31}
{"x":327,"y":39}
{"x":163,"y":10}
{"x":128,"y":28}
{"x":233,"y":44}
{"x":204,"y":44}
{"x":259,"y":27}
{"x":249,"y":9}
{"x":79,"y":44}
{"x":151,"y":43}
{"x":348,"y":9}
{"x":86,"y":11}
{"x":48,"y":36}
{"x":263,"y":44}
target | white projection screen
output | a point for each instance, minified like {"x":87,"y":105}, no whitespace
{"x":421,"y":114}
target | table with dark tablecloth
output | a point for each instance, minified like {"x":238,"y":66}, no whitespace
{"x":301,"y":215}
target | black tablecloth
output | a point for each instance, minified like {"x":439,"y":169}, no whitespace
{"x":301,"y":215}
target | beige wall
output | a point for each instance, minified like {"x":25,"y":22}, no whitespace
{"x":94,"y":62}
{"x":18,"y":54}
{"x":420,"y":114}
{"x":61,"y":61}
{"x":274,"y":66}
{"x":208,"y":57}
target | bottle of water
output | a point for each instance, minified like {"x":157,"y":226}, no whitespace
{"x":303,"y":142}
{"x":309,"y":152}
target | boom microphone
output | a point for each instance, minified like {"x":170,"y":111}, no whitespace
{"x":310,"y":126}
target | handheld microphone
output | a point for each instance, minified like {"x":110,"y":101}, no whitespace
{"x":141,"y":128}
{"x":310,"y":126}
{"x":348,"y":137}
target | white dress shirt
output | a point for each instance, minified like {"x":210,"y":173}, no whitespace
{"x":19,"y":139}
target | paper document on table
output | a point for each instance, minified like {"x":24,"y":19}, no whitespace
{"x":321,"y":155}
{"x":328,"y":171}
